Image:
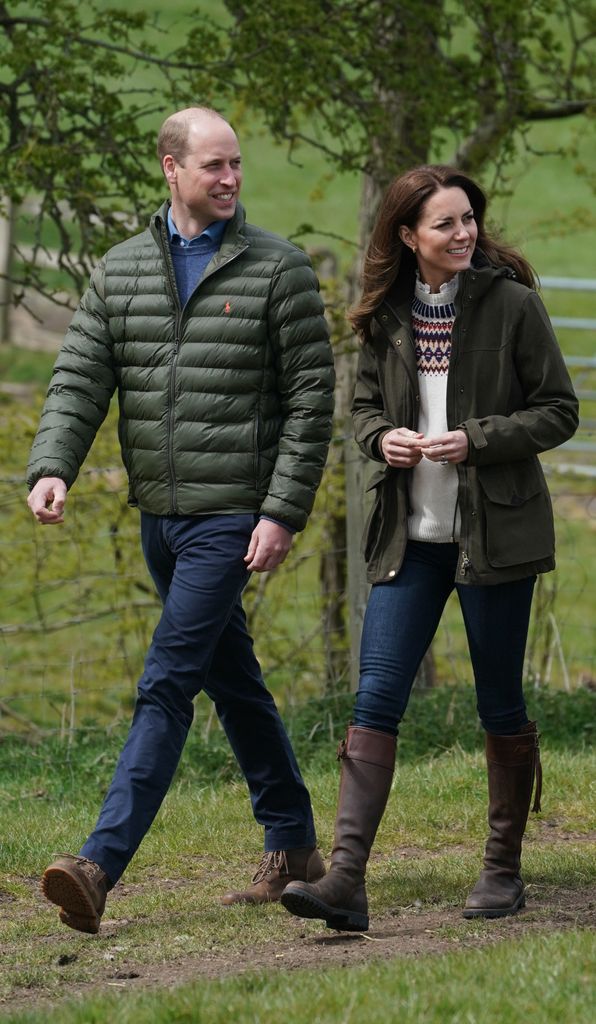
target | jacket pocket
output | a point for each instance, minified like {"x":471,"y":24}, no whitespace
{"x":373,"y":526}
{"x":519,"y":518}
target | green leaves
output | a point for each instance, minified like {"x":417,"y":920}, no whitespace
{"x":374,"y":87}
{"x":71,"y":128}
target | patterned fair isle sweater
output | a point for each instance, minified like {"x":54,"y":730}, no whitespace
{"x":433,"y":488}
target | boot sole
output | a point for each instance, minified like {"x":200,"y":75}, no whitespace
{"x":76,"y":909}
{"x":489,"y":912}
{"x":304,"y":905}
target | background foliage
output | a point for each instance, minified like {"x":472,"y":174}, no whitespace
{"x":82,"y":90}
{"x":351,"y":91}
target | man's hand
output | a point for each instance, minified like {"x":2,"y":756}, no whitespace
{"x":46,"y":500}
{"x":269,"y":545}
{"x":401,"y":447}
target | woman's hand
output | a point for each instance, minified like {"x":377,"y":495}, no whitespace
{"x":451,"y":446}
{"x":401,"y":447}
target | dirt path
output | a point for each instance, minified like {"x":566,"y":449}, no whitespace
{"x":414,"y":932}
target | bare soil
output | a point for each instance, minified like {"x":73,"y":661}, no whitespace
{"x":413,"y":931}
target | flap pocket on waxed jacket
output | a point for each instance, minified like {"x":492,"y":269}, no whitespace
{"x":519,"y":519}
{"x":376,"y":479}
{"x":511,"y":483}
{"x":377,"y":517}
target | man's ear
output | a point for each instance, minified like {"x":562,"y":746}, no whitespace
{"x":168,"y":165}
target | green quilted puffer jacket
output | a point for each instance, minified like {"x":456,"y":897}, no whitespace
{"x":225,"y":404}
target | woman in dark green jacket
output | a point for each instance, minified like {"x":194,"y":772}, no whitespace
{"x":461,"y":384}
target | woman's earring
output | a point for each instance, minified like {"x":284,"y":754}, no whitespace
{"x":414,"y":249}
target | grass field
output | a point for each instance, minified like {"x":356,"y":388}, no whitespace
{"x":164,"y":925}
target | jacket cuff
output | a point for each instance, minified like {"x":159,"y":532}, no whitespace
{"x":476,"y":438}
{"x":278,"y":522}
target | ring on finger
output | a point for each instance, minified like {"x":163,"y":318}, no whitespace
{"x":443,"y":461}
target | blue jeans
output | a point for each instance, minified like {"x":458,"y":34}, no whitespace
{"x":401,"y":620}
{"x":200,"y":643}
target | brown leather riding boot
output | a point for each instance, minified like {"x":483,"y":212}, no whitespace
{"x":274,"y":872}
{"x":368,"y":760}
{"x":513,"y":764}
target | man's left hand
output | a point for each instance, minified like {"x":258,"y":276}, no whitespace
{"x":269,"y":545}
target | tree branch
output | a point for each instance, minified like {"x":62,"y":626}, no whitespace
{"x":568,"y":109}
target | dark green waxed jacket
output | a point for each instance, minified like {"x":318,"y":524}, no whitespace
{"x":225,"y":405}
{"x":508,"y":388}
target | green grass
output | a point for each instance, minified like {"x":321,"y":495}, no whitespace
{"x":56,"y":768}
{"x":426,"y":856}
{"x":546,"y":978}
{"x":25,"y":366}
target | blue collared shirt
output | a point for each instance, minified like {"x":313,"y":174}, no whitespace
{"x":192,"y":255}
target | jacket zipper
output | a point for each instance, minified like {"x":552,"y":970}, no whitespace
{"x":454,"y":518}
{"x":171,"y":280}
{"x":171,"y":283}
{"x":172,"y":412}
{"x":465,"y":564}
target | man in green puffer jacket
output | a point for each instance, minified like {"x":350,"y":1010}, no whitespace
{"x":213,"y":333}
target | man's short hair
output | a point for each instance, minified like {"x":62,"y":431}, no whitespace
{"x":174,"y":133}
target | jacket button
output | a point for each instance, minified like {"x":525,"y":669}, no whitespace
{"x":392,"y":572}
{"x":474,"y":512}
{"x":398,"y":341}
{"x":417,"y":398}
{"x":461,"y":391}
{"x":384,"y":316}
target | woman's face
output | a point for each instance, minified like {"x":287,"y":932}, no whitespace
{"x":444,"y":237}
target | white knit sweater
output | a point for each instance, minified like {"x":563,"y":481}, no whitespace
{"x":433,"y":488}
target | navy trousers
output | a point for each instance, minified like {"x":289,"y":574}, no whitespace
{"x":200,"y":643}
{"x":401,"y":620}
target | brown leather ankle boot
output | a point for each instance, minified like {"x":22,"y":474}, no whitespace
{"x":513,"y":764}
{"x":79,"y":887}
{"x":368,"y":760}
{"x":274,"y":872}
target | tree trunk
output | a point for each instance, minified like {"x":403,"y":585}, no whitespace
{"x":404,"y":143}
{"x":6,"y":250}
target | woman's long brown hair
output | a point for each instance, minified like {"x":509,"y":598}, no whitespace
{"x":388,"y":258}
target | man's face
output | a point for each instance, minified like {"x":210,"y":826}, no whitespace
{"x":206,"y":184}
